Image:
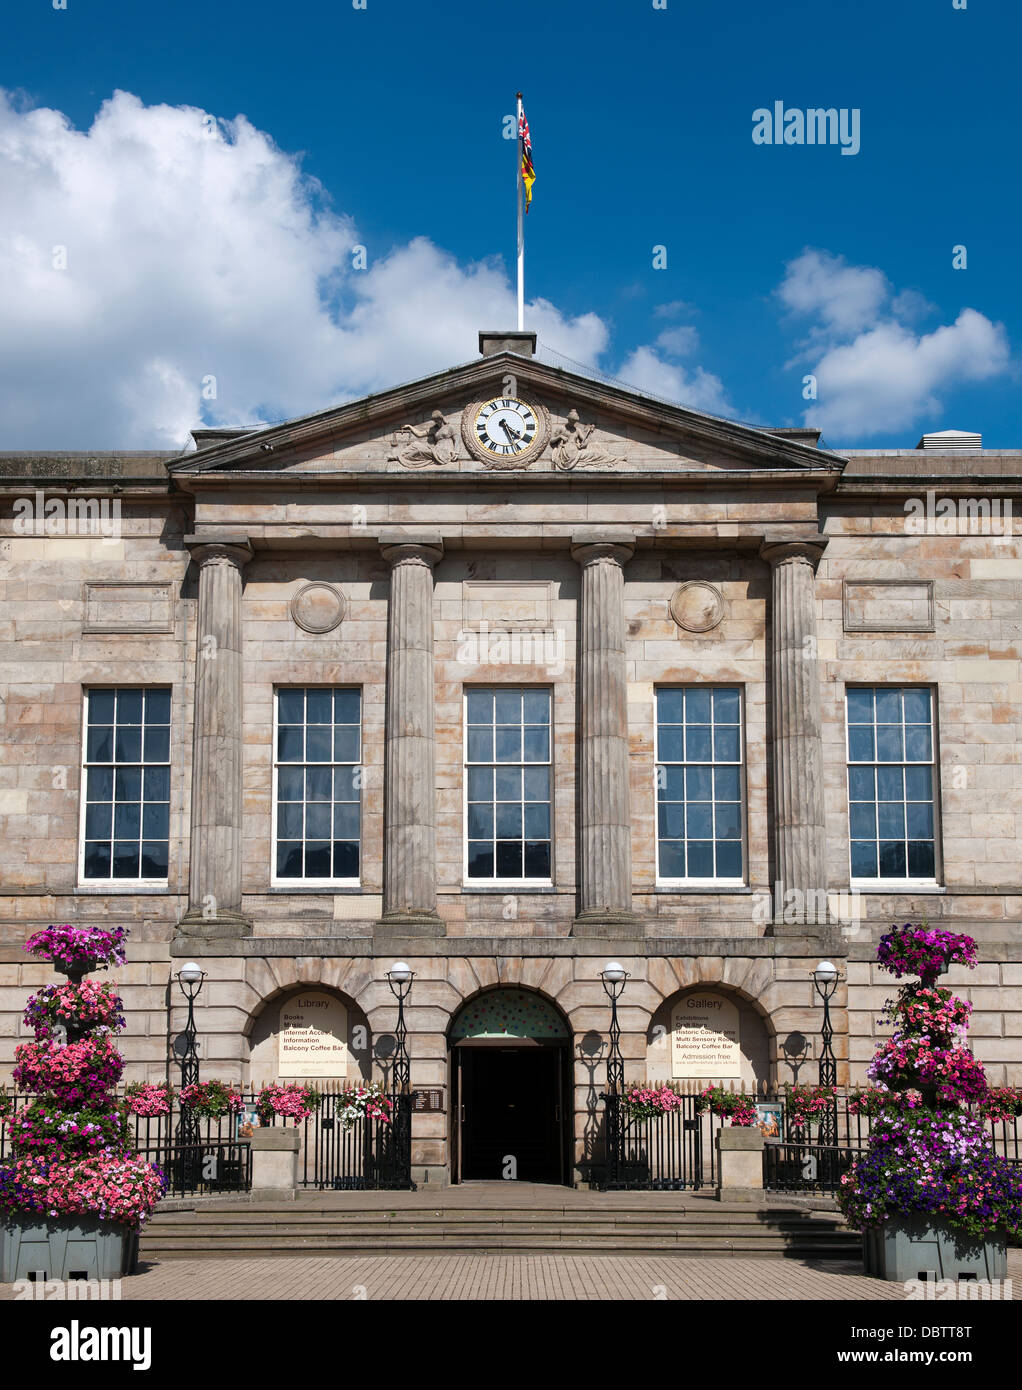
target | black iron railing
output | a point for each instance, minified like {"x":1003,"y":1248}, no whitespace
{"x":206,"y":1168}
{"x":806,"y":1167}
{"x":665,"y":1153}
{"x":677,"y":1150}
{"x":366,"y":1154}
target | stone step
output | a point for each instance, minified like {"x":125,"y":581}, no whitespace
{"x":441,"y":1231}
{"x":485,"y":1242}
{"x":671,"y":1220}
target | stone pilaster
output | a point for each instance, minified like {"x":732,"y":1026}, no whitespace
{"x":214,"y":877}
{"x":409,"y":793}
{"x":604,"y":828}
{"x":800,"y":847}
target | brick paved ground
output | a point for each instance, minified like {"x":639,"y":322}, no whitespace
{"x":497,"y":1277}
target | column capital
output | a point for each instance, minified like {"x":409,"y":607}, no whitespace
{"x":422,"y":550}
{"x":780,"y":552}
{"x":210,"y":550}
{"x":586,"y":550}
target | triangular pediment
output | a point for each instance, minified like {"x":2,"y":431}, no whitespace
{"x":574,"y":425}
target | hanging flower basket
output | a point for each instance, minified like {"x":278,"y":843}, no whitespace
{"x":79,"y":1008}
{"x":211,"y":1099}
{"x":878,"y":1100}
{"x":79,"y":949}
{"x":1001,"y":1103}
{"x":75,"y":1074}
{"x":365,"y":1100}
{"x":645,"y":1102}
{"x":911,"y":950}
{"x":46,"y":1129}
{"x":292,"y":1102}
{"x":149,"y":1098}
{"x":805,"y":1106}
{"x":734,"y":1106}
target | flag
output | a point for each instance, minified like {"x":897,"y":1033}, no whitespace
{"x":528,"y":172}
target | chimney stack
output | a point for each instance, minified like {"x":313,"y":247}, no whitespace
{"x":490,"y":343}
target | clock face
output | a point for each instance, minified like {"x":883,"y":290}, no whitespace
{"x":506,"y":428}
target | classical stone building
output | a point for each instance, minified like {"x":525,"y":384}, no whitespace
{"x":507,"y":673}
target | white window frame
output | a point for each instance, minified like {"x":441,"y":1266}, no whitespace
{"x":299,"y":885}
{"x":896,"y":885}
{"x":120,"y":885}
{"x":511,"y":884}
{"x":683,"y":883}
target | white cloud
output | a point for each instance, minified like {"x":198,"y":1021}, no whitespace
{"x":198,"y":249}
{"x":696,"y":389}
{"x":875,"y":373}
{"x":673,"y":309}
{"x":679,"y":342}
{"x":888,"y":377}
{"x":845,"y":298}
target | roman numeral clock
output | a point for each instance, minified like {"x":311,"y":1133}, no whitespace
{"x":505,"y":432}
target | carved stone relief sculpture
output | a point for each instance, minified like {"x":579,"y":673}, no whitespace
{"x":572,"y":446}
{"x":435,"y":443}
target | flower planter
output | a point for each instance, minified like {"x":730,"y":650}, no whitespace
{"x":917,"y":1247}
{"x":72,"y":1247}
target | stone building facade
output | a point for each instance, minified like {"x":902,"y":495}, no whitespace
{"x":508,"y":673}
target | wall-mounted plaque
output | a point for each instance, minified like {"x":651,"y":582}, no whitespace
{"x":431,"y":1100}
{"x":705,"y":1038}
{"x":312,"y":1037}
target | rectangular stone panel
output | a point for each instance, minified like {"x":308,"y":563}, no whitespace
{"x":888,"y":605}
{"x":522,"y":603}
{"x":127,"y":606}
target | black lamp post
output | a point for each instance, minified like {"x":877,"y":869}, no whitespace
{"x":825,"y":980}
{"x":614,"y":976}
{"x":190,"y":978}
{"x":400,"y":977}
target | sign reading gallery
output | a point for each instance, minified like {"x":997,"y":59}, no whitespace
{"x":705,"y":1038}
{"x":311,"y":1041}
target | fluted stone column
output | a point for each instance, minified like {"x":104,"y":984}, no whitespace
{"x":409,"y":794}
{"x":214,"y":881}
{"x":800,"y":840}
{"x":605,"y":828}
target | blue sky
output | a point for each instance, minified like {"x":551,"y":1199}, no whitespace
{"x":781,"y":260}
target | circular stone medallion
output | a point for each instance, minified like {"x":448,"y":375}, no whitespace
{"x":317,"y":607}
{"x":697,"y":606}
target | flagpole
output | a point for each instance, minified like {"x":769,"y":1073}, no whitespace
{"x":521,"y":221}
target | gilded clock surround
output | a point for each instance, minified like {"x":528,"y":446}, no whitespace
{"x":516,"y":461}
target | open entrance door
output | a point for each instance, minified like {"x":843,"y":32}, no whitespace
{"x":511,"y":1113}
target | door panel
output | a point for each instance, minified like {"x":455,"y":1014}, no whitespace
{"x":511,"y":1106}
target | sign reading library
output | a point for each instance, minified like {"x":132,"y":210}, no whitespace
{"x":705,"y":1038}
{"x":313,"y":1029}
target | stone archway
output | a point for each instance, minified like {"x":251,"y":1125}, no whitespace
{"x":511,"y":1088}
{"x":708,"y":1033}
{"x":309,"y":1033}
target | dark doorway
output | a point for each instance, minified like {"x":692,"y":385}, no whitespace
{"x":511,"y":1106}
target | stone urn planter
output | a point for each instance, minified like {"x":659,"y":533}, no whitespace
{"x":923,"y":1246}
{"x":73,"y":1247}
